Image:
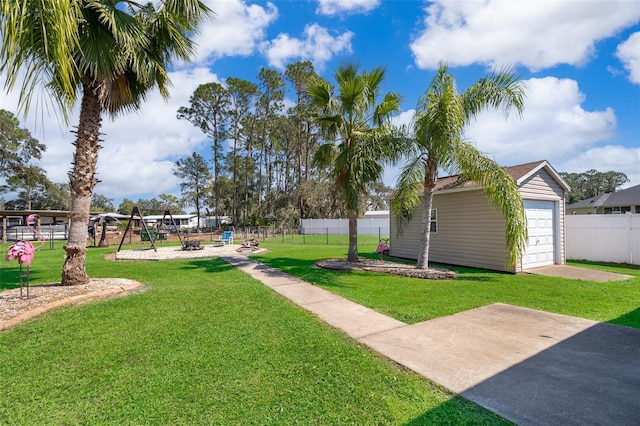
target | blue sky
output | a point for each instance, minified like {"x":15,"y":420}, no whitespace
{"x":580,"y":61}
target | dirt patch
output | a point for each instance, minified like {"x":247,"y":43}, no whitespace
{"x":386,"y":267}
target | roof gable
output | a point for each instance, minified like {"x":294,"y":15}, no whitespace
{"x":520,"y":173}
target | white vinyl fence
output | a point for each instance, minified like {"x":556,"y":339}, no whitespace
{"x":604,"y":237}
{"x":341,"y":227}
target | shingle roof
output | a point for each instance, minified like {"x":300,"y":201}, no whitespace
{"x":625,"y":197}
{"x":517,"y":172}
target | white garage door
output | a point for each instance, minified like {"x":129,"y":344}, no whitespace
{"x":540,"y":248}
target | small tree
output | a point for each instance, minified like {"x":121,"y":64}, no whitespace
{"x":28,"y":179}
{"x":437,"y":141}
{"x":172,"y":203}
{"x":195,"y":175}
{"x":356,"y":122}
{"x":100,"y":203}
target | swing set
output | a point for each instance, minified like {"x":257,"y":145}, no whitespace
{"x":146,"y":234}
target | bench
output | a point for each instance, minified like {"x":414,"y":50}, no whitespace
{"x":147,"y":235}
{"x":151,"y":234}
{"x":192,"y":245}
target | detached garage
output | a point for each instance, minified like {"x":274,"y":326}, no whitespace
{"x":467,"y":231}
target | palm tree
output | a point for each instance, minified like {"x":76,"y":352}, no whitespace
{"x":437,"y":142}
{"x":360,"y":125}
{"x":112,"y":53}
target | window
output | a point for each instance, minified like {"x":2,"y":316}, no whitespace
{"x":434,"y":221}
{"x":637,"y":209}
{"x":617,"y":210}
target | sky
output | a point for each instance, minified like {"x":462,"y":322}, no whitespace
{"x":580,"y":61}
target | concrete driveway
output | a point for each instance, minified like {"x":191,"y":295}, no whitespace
{"x":577,"y":273}
{"x":531,"y":367}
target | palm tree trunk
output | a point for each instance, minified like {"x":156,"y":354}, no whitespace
{"x":82,"y":181}
{"x":353,"y":236}
{"x":423,"y":253}
{"x":431,"y":176}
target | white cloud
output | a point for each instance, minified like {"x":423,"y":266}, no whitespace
{"x":404,"y":118}
{"x":536,"y":34}
{"x":236,"y":29}
{"x":629,"y":54}
{"x":138,"y":149}
{"x":316,"y":45}
{"x":554,"y":125}
{"x":334,"y":7}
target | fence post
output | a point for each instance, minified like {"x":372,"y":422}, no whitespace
{"x":326,"y":233}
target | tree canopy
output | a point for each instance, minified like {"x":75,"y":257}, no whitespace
{"x":591,"y":183}
{"x":17,"y":147}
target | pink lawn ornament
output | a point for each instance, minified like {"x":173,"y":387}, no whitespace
{"x":382,"y":247}
{"x":24,"y":251}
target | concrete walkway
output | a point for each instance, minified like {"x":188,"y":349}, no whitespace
{"x":531,"y":367}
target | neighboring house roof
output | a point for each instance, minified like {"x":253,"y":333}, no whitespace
{"x":376,"y":213}
{"x":175,"y":216}
{"x":520,"y":173}
{"x":625,"y":197}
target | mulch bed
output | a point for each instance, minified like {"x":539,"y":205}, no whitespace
{"x":386,"y":267}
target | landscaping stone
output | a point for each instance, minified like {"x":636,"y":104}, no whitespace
{"x":386,"y":267}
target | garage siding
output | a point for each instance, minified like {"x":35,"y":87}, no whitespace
{"x":470,"y":233}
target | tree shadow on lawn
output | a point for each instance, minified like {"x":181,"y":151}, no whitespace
{"x":208,"y":265}
{"x":457,"y":410}
{"x":630,"y":319}
{"x":10,"y":277}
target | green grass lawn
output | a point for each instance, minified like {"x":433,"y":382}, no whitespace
{"x":205,"y":344}
{"x":413,"y":300}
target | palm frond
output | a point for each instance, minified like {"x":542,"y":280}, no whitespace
{"x":501,"y":90}
{"x":325,"y":155}
{"x":320,"y":92}
{"x":390,"y":104}
{"x":408,"y":189}
{"x":501,"y":192}
{"x":39,"y":38}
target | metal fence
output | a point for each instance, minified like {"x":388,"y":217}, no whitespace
{"x":341,"y":226}
{"x":604,"y":238}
